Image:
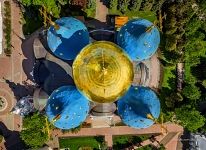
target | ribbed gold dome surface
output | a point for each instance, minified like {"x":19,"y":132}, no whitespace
{"x":103,"y":72}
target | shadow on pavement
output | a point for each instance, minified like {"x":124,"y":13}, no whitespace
{"x":12,"y":138}
{"x":20,"y":90}
{"x":28,"y":52}
{"x":51,"y":75}
{"x":96,"y":24}
{"x":184,"y":140}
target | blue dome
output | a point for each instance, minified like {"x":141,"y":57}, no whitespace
{"x":134,"y":106}
{"x":67,"y":41}
{"x":137,"y":41}
{"x":67,"y":108}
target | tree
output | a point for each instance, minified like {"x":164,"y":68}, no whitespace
{"x":176,"y":96}
{"x":91,"y":4}
{"x":190,"y":118}
{"x":147,"y":5}
{"x":157,"y":5}
{"x":204,"y":83}
{"x":170,"y":103}
{"x":53,"y":6}
{"x":193,"y":25}
{"x":34,"y":133}
{"x":136,"y":4}
{"x":191,"y":92}
{"x":113,"y":5}
{"x":123,"y":5}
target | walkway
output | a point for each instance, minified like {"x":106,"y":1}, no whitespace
{"x":101,"y":11}
{"x":118,"y":130}
{"x":13,"y":71}
{"x":1,"y":29}
{"x":154,"y":71}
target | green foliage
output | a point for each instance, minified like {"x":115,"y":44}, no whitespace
{"x":204,"y":83}
{"x":34,"y":133}
{"x":113,"y":5}
{"x":157,"y":5}
{"x":193,"y":25}
{"x":151,"y":147}
{"x":178,"y":15}
{"x":123,"y":5}
{"x":91,"y":4}
{"x":168,"y":77}
{"x":123,"y":141}
{"x":76,"y":143}
{"x":136,"y":4}
{"x":183,"y":41}
{"x":90,"y":8}
{"x":172,"y":98}
{"x":30,"y":25}
{"x":191,"y":92}
{"x":151,"y":16}
{"x":103,"y":146}
{"x":190,"y":118}
{"x":7,"y":28}
{"x":53,"y":6}
{"x":147,"y":5}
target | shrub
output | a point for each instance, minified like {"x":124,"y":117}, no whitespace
{"x":204,"y":83}
{"x":90,"y":8}
{"x":136,"y":4}
{"x":34,"y":132}
{"x":123,"y":5}
{"x":113,"y":5}
{"x":191,"y":92}
{"x":147,"y":5}
{"x":190,"y":118}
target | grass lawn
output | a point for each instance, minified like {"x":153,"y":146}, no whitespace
{"x":120,"y":142}
{"x":151,"y":16}
{"x":76,"y":143}
{"x":167,"y":76}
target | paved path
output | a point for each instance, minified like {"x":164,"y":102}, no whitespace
{"x":121,"y":130}
{"x":154,"y":66}
{"x":12,"y":70}
{"x":1,"y":29}
{"x":118,"y":130}
{"x":108,"y":140}
{"x":101,"y":11}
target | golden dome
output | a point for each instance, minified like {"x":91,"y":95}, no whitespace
{"x":103,"y":72}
